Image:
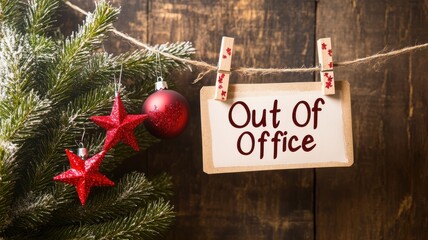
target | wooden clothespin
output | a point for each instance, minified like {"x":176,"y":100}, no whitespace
{"x":325,"y":58}
{"x":223,"y":71}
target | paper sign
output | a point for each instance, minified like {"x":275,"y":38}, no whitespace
{"x":276,"y":126}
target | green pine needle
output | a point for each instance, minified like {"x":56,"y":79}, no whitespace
{"x":133,"y":191}
{"x":77,"y":49}
{"x":145,"y":223}
{"x":11,"y":13}
{"x":40,"y":16}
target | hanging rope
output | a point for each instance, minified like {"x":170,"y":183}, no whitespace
{"x":252,"y":71}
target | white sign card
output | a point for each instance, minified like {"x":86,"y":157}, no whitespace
{"x":276,"y":126}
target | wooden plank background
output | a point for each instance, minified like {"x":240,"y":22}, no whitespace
{"x":382,"y":196}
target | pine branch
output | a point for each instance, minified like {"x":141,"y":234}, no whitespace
{"x":145,"y":223}
{"x":36,"y":211}
{"x":51,"y":157}
{"x":63,"y":135}
{"x":21,"y":125}
{"x":141,"y":66}
{"x":40,"y":16}
{"x":99,"y":71}
{"x":162,"y":186}
{"x":121,"y":152}
{"x":44,"y":50}
{"x":8,"y":165}
{"x":77,"y":50}
{"x":17,"y":65}
{"x":11,"y":13}
{"x":21,"y":112}
{"x":48,"y":91}
{"x":24,"y":119}
{"x":133,"y":191}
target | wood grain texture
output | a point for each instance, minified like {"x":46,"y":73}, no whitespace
{"x":384,"y":195}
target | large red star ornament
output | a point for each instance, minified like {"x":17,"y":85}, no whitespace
{"x":84,"y":174}
{"x":119,"y":125}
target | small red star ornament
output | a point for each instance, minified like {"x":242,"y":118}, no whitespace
{"x":84,"y":174}
{"x":119,"y":125}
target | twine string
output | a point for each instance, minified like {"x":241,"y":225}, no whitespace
{"x":252,"y":70}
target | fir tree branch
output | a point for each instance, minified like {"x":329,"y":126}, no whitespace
{"x":40,"y":16}
{"x":162,"y":186}
{"x":24,"y":119}
{"x":121,"y":152}
{"x":142,"y":64}
{"x":11,"y":13}
{"x":44,"y":50}
{"x":48,"y":90}
{"x":133,"y":191}
{"x":62,"y":135}
{"x":142,"y":68}
{"x":23,"y":59}
{"x":77,"y":49}
{"x":8,"y":165}
{"x":36,"y":211}
{"x":139,"y":67}
{"x":21,"y":111}
{"x":17,"y":65}
{"x":145,"y":223}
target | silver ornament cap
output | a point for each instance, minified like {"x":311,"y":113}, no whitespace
{"x":160,"y":84}
{"x":82,"y":153}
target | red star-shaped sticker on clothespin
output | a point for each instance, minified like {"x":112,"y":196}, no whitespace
{"x":323,"y":46}
{"x":84,"y":174}
{"x":119,"y":125}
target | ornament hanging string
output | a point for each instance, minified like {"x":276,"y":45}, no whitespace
{"x":80,"y":143}
{"x":117,"y":83}
{"x":251,"y":70}
{"x":158,"y":68}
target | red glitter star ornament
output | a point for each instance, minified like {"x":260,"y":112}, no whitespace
{"x":84,"y":174}
{"x":119,"y":125}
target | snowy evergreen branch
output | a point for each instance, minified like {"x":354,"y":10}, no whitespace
{"x":77,"y":49}
{"x":11,"y":13}
{"x":49,"y":87}
{"x":17,"y":65}
{"x":24,"y":119}
{"x":71,"y":122}
{"x":142,"y":64}
{"x":139,"y":67}
{"x":40,"y":16}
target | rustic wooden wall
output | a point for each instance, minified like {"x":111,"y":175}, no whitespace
{"x":385,"y":194}
{"x":382,"y":196}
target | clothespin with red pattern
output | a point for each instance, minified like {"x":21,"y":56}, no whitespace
{"x":325,"y":58}
{"x":223,"y":71}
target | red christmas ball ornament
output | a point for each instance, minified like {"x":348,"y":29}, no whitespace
{"x":167,"y":110}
